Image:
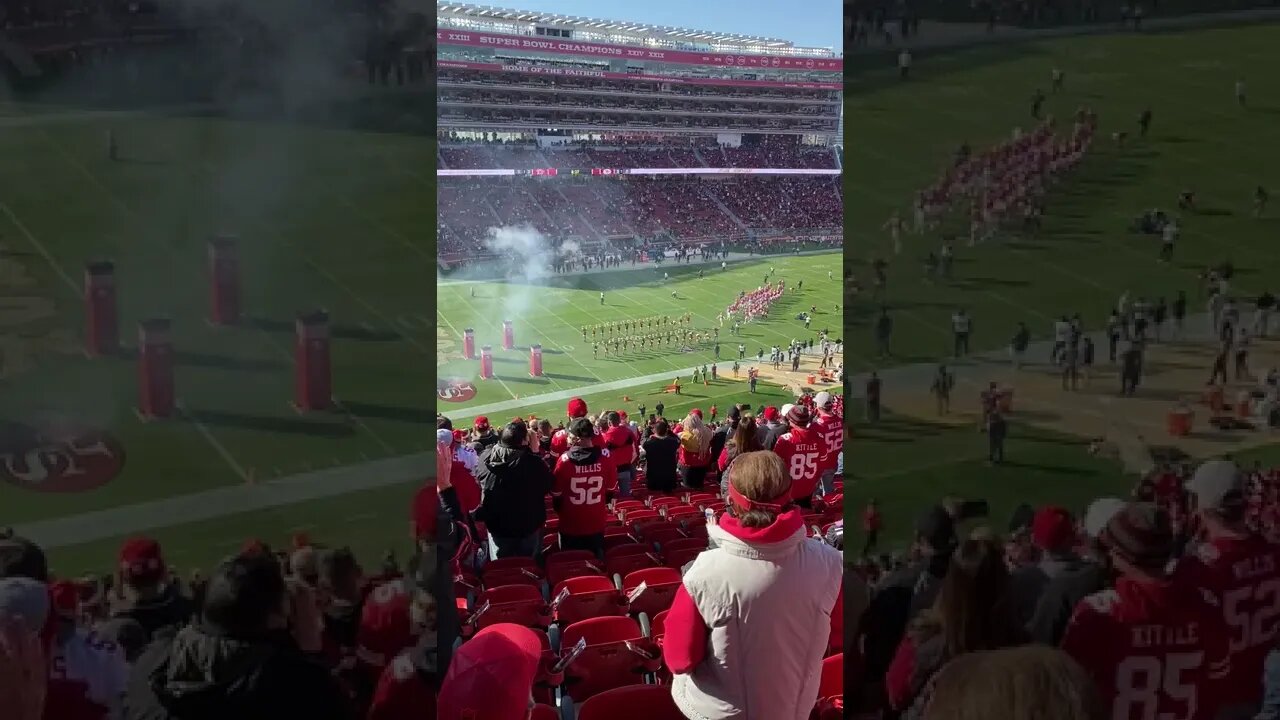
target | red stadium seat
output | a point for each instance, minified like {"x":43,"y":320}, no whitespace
{"x":683,"y":511}
{"x":644,"y":528}
{"x":717,"y":506}
{"x":622,"y":506}
{"x":587,"y":597}
{"x":661,"y":536}
{"x":551,"y":524}
{"x":831,"y":685}
{"x":631,"y":517}
{"x":608,"y":662}
{"x":564,"y":564}
{"x":622,"y":559}
{"x":511,"y":571}
{"x":658,"y":625}
{"x":658,"y":503}
{"x":697,"y":530}
{"x":632,"y":702}
{"x":678,"y":553}
{"x":519,"y":604}
{"x":660,"y":584}
{"x":700,"y":498}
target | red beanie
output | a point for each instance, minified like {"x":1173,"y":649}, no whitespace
{"x":491,"y":675}
{"x":1053,"y":529}
{"x":577,"y":408}
{"x":141,"y":561}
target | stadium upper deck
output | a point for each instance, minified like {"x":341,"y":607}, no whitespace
{"x":512,"y":69}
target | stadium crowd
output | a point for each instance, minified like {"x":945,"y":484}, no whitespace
{"x":599,"y":564}
{"x":1164,"y":604}
{"x":595,"y":209}
{"x":528,"y":156}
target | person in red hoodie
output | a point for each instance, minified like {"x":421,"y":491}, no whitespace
{"x":585,"y":478}
{"x":577,"y":408}
{"x":828,"y":423}
{"x":801,"y":448}
{"x":621,"y":441}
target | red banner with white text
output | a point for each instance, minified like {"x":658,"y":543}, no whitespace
{"x":533,"y":43}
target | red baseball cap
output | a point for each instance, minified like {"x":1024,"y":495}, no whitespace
{"x":482,"y":423}
{"x":696,"y":411}
{"x":771,"y":413}
{"x":577,"y":408}
{"x":141,"y":561}
{"x":491,"y":676}
{"x":1052,"y":528}
{"x":459,"y":436}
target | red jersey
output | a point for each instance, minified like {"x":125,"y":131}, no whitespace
{"x":802,"y":450}
{"x":1242,"y":574}
{"x":465,"y":485}
{"x":560,"y":442}
{"x":404,"y":692}
{"x":87,"y":678}
{"x":385,"y":625}
{"x":1156,"y":649}
{"x":621,"y":443}
{"x":831,"y":427}
{"x":584,"y":476}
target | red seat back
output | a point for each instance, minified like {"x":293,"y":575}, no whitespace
{"x":544,"y":712}
{"x":606,"y":663}
{"x":658,"y":625}
{"x":589,"y":597}
{"x":831,"y":679}
{"x":661,"y":502}
{"x":632,"y":702}
{"x":661,"y":584}
{"x":519,"y":604}
{"x":623,"y":559}
{"x":633,"y":516}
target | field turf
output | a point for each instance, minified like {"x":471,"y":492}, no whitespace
{"x":327,"y":218}
{"x":902,"y":134}
{"x":554,"y":314}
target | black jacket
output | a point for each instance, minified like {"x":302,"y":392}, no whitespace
{"x":1059,"y":600}
{"x":201,"y":674}
{"x":660,"y":459}
{"x":171,"y":609}
{"x":898,"y":599}
{"x":514,"y":483}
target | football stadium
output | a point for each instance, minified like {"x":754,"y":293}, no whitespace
{"x":640,"y":239}
{"x":193,"y":344}
{"x":1060,"y":301}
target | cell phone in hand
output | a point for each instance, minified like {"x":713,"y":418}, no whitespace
{"x":567,"y":660}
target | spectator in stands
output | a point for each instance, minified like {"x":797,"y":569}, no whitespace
{"x":905,"y":592}
{"x":514,"y":482}
{"x":585,"y":479}
{"x":745,"y":439}
{"x":771,"y":428}
{"x":763,"y":566}
{"x":1140,"y":541}
{"x":1053,"y":534}
{"x":24,"y":613}
{"x":660,"y":451}
{"x":87,"y":674}
{"x":1060,"y":596}
{"x":694,"y":459}
{"x":19,"y":557}
{"x":621,"y":442}
{"x":973,"y":613}
{"x":247,"y":657}
{"x":1029,"y":681}
{"x":147,"y":594}
{"x":801,"y":448}
{"x":483,"y":436}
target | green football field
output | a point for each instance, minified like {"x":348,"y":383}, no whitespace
{"x":902,"y":134}
{"x":554,"y":314}
{"x":326,"y":219}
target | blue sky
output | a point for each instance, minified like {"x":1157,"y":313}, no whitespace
{"x":805,"y":22}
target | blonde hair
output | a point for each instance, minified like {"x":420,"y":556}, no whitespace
{"x":1029,"y":681}
{"x":695,"y":438}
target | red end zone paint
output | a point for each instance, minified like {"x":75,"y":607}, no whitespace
{"x":59,"y":458}
{"x":455,"y":389}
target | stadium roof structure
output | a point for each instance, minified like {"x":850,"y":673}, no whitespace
{"x":524,"y":22}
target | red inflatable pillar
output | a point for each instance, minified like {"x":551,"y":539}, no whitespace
{"x":102,"y":329}
{"x":469,"y":344}
{"x":508,"y":335}
{"x":535,"y":361}
{"x":224,"y":281}
{"x":155,"y":368}
{"x":486,"y":362}
{"x":312,"y":381}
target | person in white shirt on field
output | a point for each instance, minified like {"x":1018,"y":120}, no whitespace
{"x":1061,"y":334}
{"x":904,"y":63}
{"x":895,"y":226}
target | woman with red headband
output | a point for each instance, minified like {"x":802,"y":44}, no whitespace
{"x":748,"y":628}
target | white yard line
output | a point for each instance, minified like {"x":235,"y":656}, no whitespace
{"x":227,"y":501}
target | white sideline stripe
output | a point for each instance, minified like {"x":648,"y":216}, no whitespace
{"x":221,"y":502}
{"x":584,"y":390}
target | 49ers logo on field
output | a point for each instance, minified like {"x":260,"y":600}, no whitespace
{"x":58,"y":458}
{"x":455,"y":389}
